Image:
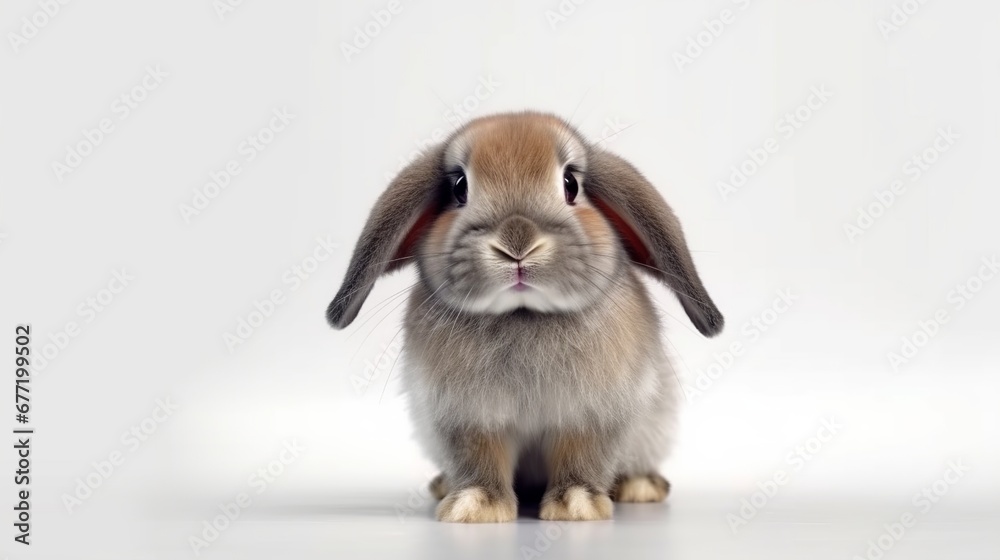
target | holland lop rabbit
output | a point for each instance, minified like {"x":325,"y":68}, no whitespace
{"x":532,"y":353}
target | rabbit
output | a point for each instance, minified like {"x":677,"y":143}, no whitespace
{"x":532,"y":355}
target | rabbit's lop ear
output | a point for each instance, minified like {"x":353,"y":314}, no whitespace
{"x":391,"y":235}
{"x":651,"y":233}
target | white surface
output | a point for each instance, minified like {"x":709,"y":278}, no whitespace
{"x":610,"y":69}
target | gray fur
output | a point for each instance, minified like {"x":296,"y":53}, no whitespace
{"x":571,"y":387}
{"x":394,"y":214}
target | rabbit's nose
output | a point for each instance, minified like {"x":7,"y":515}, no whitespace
{"x":516,"y":238}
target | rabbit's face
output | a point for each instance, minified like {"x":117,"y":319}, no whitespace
{"x":515,"y":211}
{"x":518,"y":229}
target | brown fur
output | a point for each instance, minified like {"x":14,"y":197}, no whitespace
{"x":440,"y":228}
{"x":512,"y":155}
{"x":438,"y":487}
{"x":486,"y":472}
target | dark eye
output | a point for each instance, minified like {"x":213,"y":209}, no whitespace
{"x":460,"y":188}
{"x":570,"y":186}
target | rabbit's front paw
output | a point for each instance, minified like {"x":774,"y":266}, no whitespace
{"x":575,"y":503}
{"x":475,"y":505}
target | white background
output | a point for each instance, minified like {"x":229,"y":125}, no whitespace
{"x":613,"y":70}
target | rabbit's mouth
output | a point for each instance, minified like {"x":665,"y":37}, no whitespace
{"x":520,"y":286}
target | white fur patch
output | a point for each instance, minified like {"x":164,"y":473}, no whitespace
{"x":580,"y":505}
{"x":471,"y":505}
{"x":468,"y":503}
{"x":639,"y":489}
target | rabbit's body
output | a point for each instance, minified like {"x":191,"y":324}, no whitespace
{"x":532,"y":349}
{"x":531,"y":375}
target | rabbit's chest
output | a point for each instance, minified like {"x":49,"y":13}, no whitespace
{"x":532,"y":379}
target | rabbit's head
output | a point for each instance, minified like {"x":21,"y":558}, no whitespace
{"x":518,"y":211}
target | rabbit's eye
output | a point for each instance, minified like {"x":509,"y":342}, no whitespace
{"x":571,"y":187}
{"x":460,"y":189}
